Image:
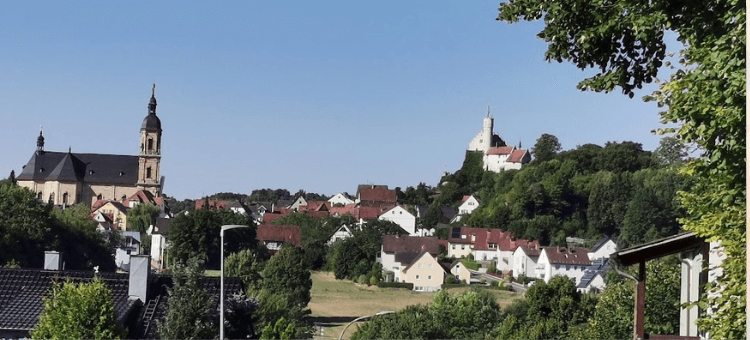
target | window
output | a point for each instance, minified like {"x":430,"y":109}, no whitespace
{"x":567,"y":267}
{"x":417,"y":277}
{"x":462,"y":247}
{"x":429,"y":266}
{"x":452,"y":246}
{"x":148,"y":172}
{"x":65,"y":198}
{"x":429,"y":277}
{"x":39,"y":196}
{"x":150,"y":144}
{"x":421,"y":265}
{"x":98,"y":197}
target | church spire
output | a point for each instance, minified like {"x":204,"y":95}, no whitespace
{"x":40,"y":142}
{"x":152,"y":102}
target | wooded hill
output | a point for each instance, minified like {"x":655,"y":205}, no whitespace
{"x":618,"y":190}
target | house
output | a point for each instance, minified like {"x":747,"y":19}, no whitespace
{"x":398,"y":251}
{"x":594,"y":276}
{"x":370,"y":195}
{"x":459,"y":270}
{"x":273,"y":236}
{"x":316,"y":208}
{"x":158,"y":233}
{"x":117,"y":212}
{"x":507,"y":247}
{"x":694,"y":251}
{"x":67,"y":178}
{"x":340,"y":199}
{"x":144,"y":196}
{"x":602,"y":249}
{"x":470,"y":203}
{"x":131,"y":246}
{"x":424,"y":272}
{"x":402,"y":217}
{"x":525,"y":259}
{"x":569,"y":262}
{"x":139,"y":297}
{"x":297,"y":203}
{"x":104,"y":222}
{"x":485,"y":244}
{"x":343,"y":232}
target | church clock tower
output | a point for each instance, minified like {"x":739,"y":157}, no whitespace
{"x":149,"y":174}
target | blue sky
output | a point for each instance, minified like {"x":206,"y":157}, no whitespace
{"x":319,"y":96}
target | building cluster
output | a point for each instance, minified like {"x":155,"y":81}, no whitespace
{"x":496,"y":155}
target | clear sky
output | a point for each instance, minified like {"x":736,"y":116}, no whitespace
{"x":313,"y":95}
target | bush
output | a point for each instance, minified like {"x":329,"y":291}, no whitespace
{"x":450,"y":279}
{"x":395,"y":285}
{"x":374,"y":280}
{"x":363,"y":279}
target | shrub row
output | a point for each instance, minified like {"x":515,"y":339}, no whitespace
{"x":395,"y":285}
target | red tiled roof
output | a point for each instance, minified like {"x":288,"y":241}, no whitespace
{"x":396,"y":243}
{"x":280,"y":233}
{"x":371,"y":213}
{"x":142,"y":196}
{"x":98,"y":204}
{"x":316,"y":206}
{"x":347,"y":209}
{"x":502,"y":150}
{"x":377,"y":194}
{"x":313,"y":213}
{"x":270,"y":217}
{"x":483,"y":237}
{"x":577,"y":256}
{"x":466,"y":197}
{"x":516,"y":156}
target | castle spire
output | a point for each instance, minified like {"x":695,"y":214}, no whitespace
{"x":152,"y":102}
{"x":488,"y":111}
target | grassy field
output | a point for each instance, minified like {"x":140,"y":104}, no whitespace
{"x":331,"y":298}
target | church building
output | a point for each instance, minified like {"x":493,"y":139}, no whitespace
{"x":497,"y":156}
{"x":66,"y":178}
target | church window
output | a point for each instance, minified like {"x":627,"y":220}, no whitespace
{"x":65,"y":198}
{"x":98,"y":197}
{"x":148,"y":172}
{"x":39,"y":196}
{"x":52,"y":197}
{"x":150,"y":144}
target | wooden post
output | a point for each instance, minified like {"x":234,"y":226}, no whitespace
{"x":640,"y":302}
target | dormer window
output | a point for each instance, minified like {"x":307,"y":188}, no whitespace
{"x":41,"y":169}
{"x":122,"y":173}
{"x":91,"y":172}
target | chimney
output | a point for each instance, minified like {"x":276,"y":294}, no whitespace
{"x":52,"y":260}
{"x":139,"y":272}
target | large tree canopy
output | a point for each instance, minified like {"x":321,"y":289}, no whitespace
{"x":704,"y":97}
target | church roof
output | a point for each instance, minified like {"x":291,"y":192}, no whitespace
{"x":151,"y":123}
{"x":502,"y":150}
{"x":81,"y":167}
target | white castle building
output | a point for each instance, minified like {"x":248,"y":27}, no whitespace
{"x":497,"y":155}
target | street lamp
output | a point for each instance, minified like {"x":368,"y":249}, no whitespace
{"x":221,"y":298}
{"x":362,"y":318}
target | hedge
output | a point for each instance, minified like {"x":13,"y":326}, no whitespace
{"x":395,"y":285}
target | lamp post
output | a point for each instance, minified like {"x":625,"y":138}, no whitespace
{"x":221,"y":297}
{"x":362,"y":318}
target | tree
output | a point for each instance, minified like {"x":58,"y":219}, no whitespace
{"x":247,"y":266}
{"x":24,"y":226}
{"x":705,"y":96}
{"x":546,"y":147}
{"x":78,"y":311}
{"x":74,"y":234}
{"x":189,"y":314}
{"x":670,"y":151}
{"x":613,"y":315}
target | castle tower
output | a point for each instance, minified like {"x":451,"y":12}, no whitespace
{"x":150,"y":155}
{"x":40,"y":143}
{"x":483,"y":140}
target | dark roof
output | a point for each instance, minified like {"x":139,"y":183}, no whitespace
{"x":398,"y":244}
{"x":377,"y":194}
{"x":82,"y":167}
{"x":162,"y":226}
{"x":599,"y":244}
{"x":598,"y":267}
{"x":280,"y":233}
{"x":406,"y":258}
{"x":576,"y":256}
{"x":532,"y":250}
{"x":448,"y":212}
{"x":22,"y":290}
{"x":659,"y":248}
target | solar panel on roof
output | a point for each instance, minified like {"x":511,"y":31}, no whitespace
{"x":456,"y":233}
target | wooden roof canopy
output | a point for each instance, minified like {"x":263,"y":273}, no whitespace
{"x":659,"y":248}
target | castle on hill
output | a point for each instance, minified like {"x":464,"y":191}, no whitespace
{"x":497,"y":156}
{"x":66,"y":178}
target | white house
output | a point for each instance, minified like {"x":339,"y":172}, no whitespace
{"x":460,"y":271}
{"x":505,"y":158}
{"x":343,"y":232}
{"x":340,"y":199}
{"x":569,"y":262}
{"x":602,"y":249}
{"x":524,"y":260}
{"x":470,"y":203}
{"x":297,"y":202}
{"x":593,"y":277}
{"x":402,"y":217}
{"x":159,"y":242}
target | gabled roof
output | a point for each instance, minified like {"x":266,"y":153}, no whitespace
{"x":398,"y":244}
{"x":377,"y":194}
{"x":517,"y":156}
{"x":117,"y":205}
{"x":82,"y":167}
{"x":279,"y":233}
{"x":371,"y":213}
{"x":502,"y":150}
{"x":575,"y":256}
{"x":162,"y":226}
{"x":419,"y":256}
{"x":600,"y":244}
{"x":531,"y":250}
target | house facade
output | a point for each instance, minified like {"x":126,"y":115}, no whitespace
{"x":425,"y":273}
{"x":340,"y":199}
{"x":397,"y":252}
{"x":67,"y":178}
{"x":569,"y":262}
{"x":402,"y":217}
{"x":274,"y":236}
{"x":524,"y":261}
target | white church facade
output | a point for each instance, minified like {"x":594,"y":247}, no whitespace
{"x":497,"y":156}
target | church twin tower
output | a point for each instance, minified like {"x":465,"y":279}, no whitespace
{"x":150,"y":155}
